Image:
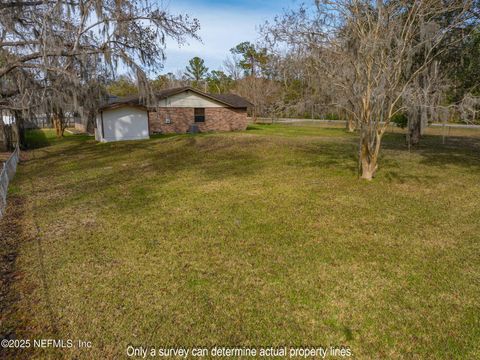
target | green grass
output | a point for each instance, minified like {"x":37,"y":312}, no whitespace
{"x":40,"y":138}
{"x":258,"y":238}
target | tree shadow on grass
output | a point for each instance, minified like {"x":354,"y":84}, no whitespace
{"x":462,"y":152}
{"x":458,"y":151}
{"x":399,"y":164}
{"x":329,"y":155}
{"x":36,"y":139}
{"x":40,"y":138}
{"x":174,"y":155}
{"x":218,"y":158}
{"x":151,"y":165}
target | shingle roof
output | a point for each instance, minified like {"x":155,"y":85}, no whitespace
{"x":162,"y":94}
{"x":231,"y":100}
{"x":114,"y":102}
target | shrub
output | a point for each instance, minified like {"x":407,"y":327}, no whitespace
{"x":400,"y":119}
{"x":332,"y":116}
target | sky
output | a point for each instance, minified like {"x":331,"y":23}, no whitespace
{"x":224,"y":24}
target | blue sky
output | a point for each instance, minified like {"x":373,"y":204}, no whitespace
{"x":224,"y":24}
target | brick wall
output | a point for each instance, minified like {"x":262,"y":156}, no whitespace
{"x":180,"y":118}
{"x":216,"y":119}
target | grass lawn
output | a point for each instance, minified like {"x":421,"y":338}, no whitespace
{"x":258,"y":238}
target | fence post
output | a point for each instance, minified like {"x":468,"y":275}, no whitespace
{"x":3,"y":189}
{"x":6,"y":175}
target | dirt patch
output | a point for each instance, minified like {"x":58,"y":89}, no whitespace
{"x":76,"y":131}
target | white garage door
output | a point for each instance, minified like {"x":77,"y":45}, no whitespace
{"x":125,"y":123}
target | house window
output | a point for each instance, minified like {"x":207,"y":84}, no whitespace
{"x":199,"y":114}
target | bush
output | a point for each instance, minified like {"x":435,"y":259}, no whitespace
{"x":401,"y":120}
{"x":332,"y":116}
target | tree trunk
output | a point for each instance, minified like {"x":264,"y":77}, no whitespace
{"x":20,"y":124}
{"x":415,"y":129}
{"x":369,"y":170}
{"x":419,"y":114}
{"x":3,"y":138}
{"x":369,"y":155}
{"x":423,"y":119}
{"x":369,"y":165}
{"x":59,"y":123}
{"x":56,"y":125}
{"x":90,"y":128}
{"x":350,"y":124}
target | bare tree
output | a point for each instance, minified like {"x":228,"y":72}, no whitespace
{"x":469,"y":108}
{"x":369,"y":49}
{"x":232,"y":68}
{"x":422,"y":100}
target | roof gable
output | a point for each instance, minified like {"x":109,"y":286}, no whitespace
{"x":230,"y":100}
{"x":188,"y":99}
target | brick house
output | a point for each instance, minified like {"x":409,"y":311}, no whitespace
{"x":177,"y":110}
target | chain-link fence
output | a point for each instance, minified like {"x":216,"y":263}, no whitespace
{"x":9,"y":168}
